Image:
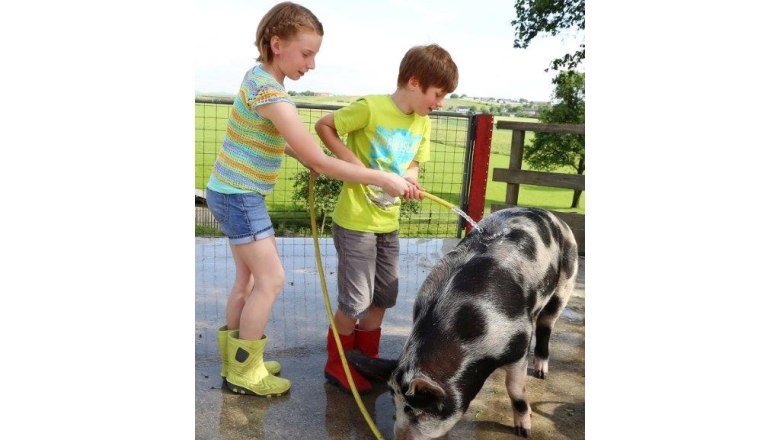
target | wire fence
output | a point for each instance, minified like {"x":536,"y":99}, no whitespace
{"x":444,"y":175}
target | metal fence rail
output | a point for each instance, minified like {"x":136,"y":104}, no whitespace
{"x":444,"y":175}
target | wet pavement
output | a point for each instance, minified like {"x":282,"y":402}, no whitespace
{"x":296,"y":337}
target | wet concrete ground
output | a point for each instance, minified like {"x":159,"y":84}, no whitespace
{"x":316,"y":410}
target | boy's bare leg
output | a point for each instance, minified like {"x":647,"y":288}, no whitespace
{"x":373,"y":320}
{"x":344,"y":324}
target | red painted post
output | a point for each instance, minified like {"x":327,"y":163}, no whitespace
{"x":483,"y":136}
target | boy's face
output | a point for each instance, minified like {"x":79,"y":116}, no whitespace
{"x":295,"y":57}
{"x":426,"y":102}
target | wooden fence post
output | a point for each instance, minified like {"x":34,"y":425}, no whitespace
{"x":515,"y":162}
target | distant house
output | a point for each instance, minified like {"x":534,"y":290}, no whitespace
{"x":462,"y":109}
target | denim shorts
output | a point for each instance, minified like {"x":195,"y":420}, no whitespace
{"x":242,"y":217}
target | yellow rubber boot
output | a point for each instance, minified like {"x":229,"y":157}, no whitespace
{"x":273,"y":367}
{"x":247,"y":374}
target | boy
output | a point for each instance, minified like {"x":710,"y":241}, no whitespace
{"x":390,"y":133}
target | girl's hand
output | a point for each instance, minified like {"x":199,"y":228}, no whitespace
{"x":395,"y":185}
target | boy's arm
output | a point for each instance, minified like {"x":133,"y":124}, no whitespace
{"x":326,"y":130}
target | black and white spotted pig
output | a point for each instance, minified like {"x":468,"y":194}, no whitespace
{"x":475,"y":312}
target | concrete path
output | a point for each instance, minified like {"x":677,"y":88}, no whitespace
{"x":314,"y":409}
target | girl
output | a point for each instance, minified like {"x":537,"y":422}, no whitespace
{"x":262,"y":126}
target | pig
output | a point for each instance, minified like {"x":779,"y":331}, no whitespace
{"x":477,"y":311}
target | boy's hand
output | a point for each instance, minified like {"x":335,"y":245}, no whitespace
{"x":414,"y":190}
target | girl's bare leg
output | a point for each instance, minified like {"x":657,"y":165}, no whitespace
{"x":263,"y":262}
{"x":242,"y":287}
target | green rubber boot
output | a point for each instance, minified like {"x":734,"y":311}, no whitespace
{"x":273,"y":367}
{"x":246,"y":373}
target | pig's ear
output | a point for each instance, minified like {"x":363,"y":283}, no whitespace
{"x":424,"y":393}
{"x":423,"y":386}
{"x":377,"y":369}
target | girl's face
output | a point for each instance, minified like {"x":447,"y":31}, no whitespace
{"x":294,"y":57}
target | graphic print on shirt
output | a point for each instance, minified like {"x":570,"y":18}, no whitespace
{"x":391,"y":150}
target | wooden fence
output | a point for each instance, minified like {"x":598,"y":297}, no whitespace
{"x":514,"y":175}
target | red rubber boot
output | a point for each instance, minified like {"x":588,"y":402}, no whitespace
{"x":367,"y":341}
{"x":334,"y":371}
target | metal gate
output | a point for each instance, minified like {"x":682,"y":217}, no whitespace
{"x":449,"y":173}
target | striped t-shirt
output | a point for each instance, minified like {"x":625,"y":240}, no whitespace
{"x":253,"y":149}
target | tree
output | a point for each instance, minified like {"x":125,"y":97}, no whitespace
{"x":326,"y":192}
{"x":554,"y":150}
{"x":454,"y":96}
{"x":551,"y":17}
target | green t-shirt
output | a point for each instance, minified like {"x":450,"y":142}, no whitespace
{"x":384,"y":138}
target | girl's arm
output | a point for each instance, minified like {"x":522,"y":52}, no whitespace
{"x":290,"y":152}
{"x":411,"y":174}
{"x":285,"y":118}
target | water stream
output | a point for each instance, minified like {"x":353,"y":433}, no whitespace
{"x":460,"y":212}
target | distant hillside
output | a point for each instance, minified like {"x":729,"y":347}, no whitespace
{"x":326,"y":100}
{"x":499,"y":107}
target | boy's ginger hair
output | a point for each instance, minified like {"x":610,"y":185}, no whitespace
{"x":431,"y":65}
{"x":284,"y":20}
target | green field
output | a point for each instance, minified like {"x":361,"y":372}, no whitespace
{"x":441,"y":176}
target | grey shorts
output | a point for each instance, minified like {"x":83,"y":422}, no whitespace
{"x":367,"y":270}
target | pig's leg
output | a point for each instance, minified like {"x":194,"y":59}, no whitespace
{"x":515,"y":387}
{"x":545,"y":322}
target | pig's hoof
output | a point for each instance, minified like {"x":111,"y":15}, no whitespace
{"x":522,"y":432}
{"x":540,"y":365}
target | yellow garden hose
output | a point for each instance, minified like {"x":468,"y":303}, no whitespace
{"x":438,"y":200}
{"x":328,"y":309}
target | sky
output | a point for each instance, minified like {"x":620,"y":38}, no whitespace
{"x":363,"y":46}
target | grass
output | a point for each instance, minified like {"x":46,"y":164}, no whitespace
{"x":501,"y":142}
{"x":441,"y":176}
{"x":556,"y":199}
{"x":206,"y":230}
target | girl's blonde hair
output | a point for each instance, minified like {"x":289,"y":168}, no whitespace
{"x":284,"y":20}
